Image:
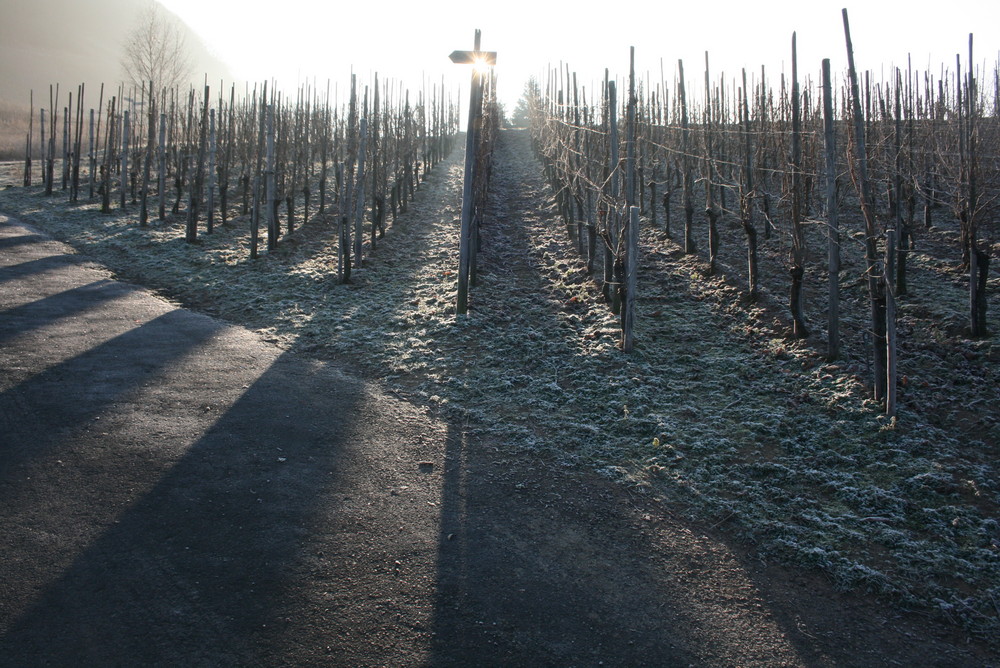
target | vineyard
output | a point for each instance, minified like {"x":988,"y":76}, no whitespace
{"x":822,"y":217}
{"x":765,"y":299}
{"x":274,"y":160}
{"x":788,"y":163}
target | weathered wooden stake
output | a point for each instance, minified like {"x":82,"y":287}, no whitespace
{"x":832,"y":218}
{"x":27,"y":141}
{"x":890,"y":323}
{"x":612,"y":221}
{"x":711,"y":209}
{"x":688,"y":185}
{"x":77,"y":146}
{"x":51,"y":162}
{"x":42,"y":146}
{"x":65,"y":143}
{"x":631,"y":270}
{"x":873,"y":271}
{"x":465,"y":234}
{"x":271,"y":196}
{"x":162,"y":168}
{"x":359,"y":193}
{"x":798,"y":268}
{"x":124,"y":160}
{"x":108,"y":156}
{"x":210,"y":195}
{"x":150,"y":138}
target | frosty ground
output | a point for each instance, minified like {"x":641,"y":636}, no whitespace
{"x":715,"y":417}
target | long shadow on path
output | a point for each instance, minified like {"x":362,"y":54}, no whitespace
{"x":173,"y":491}
{"x":274,"y":538}
{"x":194,"y":568}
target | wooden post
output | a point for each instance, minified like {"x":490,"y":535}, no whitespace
{"x":979,"y":257}
{"x":175,"y":147}
{"x":270,"y":185}
{"x":31,"y":130}
{"x":876,"y":287}
{"x":325,"y":120}
{"x":631,"y":269}
{"x":710,"y":207}
{"x":198,"y":175}
{"x":765,"y":162}
{"x":747,"y":192}
{"x":191,"y":217}
{"x":255,"y":218}
{"x":92,"y":156}
{"x":359,"y":193}
{"x":890,"y":322}
{"x":77,"y":146}
{"x":210,"y":195}
{"x":126,"y":125}
{"x":65,"y":143}
{"x":832,"y":218}
{"x":297,"y":159}
{"x":578,"y":185}
{"x":653,"y":199}
{"x":261,"y":122}
{"x":465,"y":235}
{"x":905,"y":225}
{"x":630,"y":169}
{"x":224,"y":154}
{"x":798,"y":268}
{"x":108,"y":156}
{"x":891,"y":253}
{"x":69,"y":150}
{"x":124,"y":161}
{"x":228,"y":154}
{"x":689,"y":245}
{"x":378,"y":208}
{"x":347,"y":190}
{"x":150,"y":138}
{"x":51,"y":161}
{"x":42,"y":145}
{"x":162,"y":167}
{"x":612,"y":221}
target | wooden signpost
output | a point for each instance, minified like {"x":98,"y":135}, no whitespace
{"x":465,"y":249}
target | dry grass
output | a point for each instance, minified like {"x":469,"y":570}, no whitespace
{"x":13,"y":130}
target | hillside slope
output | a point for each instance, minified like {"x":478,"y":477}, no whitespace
{"x":67,"y":42}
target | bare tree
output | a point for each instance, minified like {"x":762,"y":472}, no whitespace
{"x":530,"y":99}
{"x":155,"y":51}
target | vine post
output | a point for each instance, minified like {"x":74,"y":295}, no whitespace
{"x":479,"y":60}
{"x":873,"y":269}
{"x":832,"y":218}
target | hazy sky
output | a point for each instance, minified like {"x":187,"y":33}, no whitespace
{"x":294,"y":40}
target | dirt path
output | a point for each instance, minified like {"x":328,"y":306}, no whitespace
{"x":175,"y":490}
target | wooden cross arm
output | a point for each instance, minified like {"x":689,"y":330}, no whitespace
{"x":469,"y":57}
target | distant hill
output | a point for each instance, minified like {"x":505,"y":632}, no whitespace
{"x":70,"y":42}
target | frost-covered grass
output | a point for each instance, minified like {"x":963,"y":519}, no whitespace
{"x":715,"y":410}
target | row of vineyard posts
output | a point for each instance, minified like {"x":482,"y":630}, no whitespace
{"x":484,"y":144}
{"x":774,"y":162}
{"x":212,"y":159}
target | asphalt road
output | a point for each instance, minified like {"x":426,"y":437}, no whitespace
{"x":174,"y":490}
